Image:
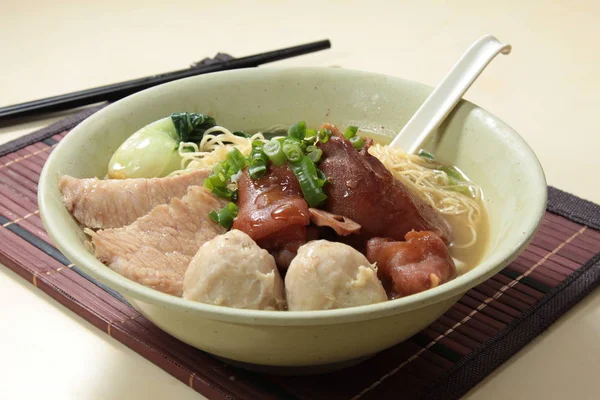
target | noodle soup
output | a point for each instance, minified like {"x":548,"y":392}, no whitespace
{"x":291,"y":218}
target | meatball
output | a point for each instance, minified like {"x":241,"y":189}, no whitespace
{"x":232,"y":271}
{"x":327,"y":275}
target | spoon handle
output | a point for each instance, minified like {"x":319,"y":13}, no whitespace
{"x":443,"y":99}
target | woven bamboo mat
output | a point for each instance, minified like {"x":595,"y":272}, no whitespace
{"x":488,"y":325}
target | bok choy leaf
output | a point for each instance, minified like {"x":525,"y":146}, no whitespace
{"x":152,"y":151}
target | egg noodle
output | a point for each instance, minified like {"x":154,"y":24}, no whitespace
{"x":419,"y":174}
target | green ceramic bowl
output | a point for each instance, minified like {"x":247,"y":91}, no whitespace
{"x":487,"y":149}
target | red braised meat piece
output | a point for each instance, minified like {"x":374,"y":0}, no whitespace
{"x":362,"y":189}
{"x":420,"y":263}
{"x":273,"y":212}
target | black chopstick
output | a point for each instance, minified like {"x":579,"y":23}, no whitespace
{"x":119,"y":90}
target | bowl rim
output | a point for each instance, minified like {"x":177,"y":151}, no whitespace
{"x":130,"y":289}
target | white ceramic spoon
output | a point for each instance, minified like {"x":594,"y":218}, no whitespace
{"x":443,"y":99}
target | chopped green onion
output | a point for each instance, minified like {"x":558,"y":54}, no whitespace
{"x":236,"y":160}
{"x":257,"y":170}
{"x":298,"y":130}
{"x":350,"y":132}
{"x":225,"y":215}
{"x":322,"y":179}
{"x":274,"y":150}
{"x":258,"y":160}
{"x":222,"y":192}
{"x":216,"y":180}
{"x":315,"y":155}
{"x":324,"y":135}
{"x":310,"y":133}
{"x":292,"y":151}
{"x":426,"y":154}
{"x":214,"y":216}
{"x":310,"y":181}
{"x":357,"y":142}
{"x":222,"y":172}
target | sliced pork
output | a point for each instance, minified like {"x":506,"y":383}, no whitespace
{"x":112,"y":203}
{"x":273,"y":212}
{"x":415,"y":265}
{"x":157,"y":248}
{"x":362,"y":189}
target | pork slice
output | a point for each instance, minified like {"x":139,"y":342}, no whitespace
{"x":157,"y":248}
{"x":112,"y":203}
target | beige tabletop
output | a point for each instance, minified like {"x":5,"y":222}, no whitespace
{"x":547,"y":89}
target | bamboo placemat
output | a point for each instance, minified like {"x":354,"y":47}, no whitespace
{"x":489,"y":324}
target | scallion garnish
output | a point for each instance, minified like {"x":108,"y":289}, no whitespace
{"x":311,"y":181}
{"x":222,"y":172}
{"x":237,"y":161}
{"x":292,"y":151}
{"x":350,"y":132}
{"x":425,"y":154}
{"x":357,"y":142}
{"x":274,"y":150}
{"x":315,"y":155}
{"x":324,"y":135}
{"x":297,"y":131}
{"x":225,"y":215}
{"x":258,"y":160}
{"x":310,"y":133}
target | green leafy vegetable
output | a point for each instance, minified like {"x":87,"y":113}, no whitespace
{"x":311,"y":181}
{"x":225,"y":215}
{"x":150,"y":152}
{"x":190,"y":127}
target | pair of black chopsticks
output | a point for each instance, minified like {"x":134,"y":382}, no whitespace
{"x":123,"y":89}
